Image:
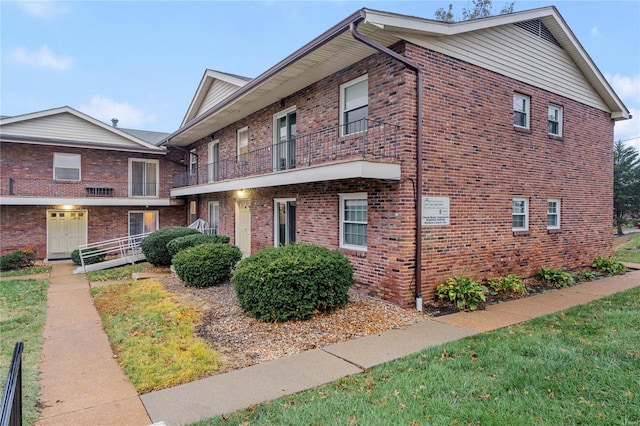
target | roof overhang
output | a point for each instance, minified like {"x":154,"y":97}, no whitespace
{"x":79,"y":144}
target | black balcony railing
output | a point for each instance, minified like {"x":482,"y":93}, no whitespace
{"x":85,"y":188}
{"x":373,"y":140}
{"x":11,"y":414}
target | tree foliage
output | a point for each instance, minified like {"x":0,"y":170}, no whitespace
{"x":480,"y":9}
{"x":626,"y":183}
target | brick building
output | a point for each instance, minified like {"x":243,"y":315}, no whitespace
{"x":67,"y":179}
{"x":420,"y":149}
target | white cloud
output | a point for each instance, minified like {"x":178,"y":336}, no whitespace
{"x":629,"y":130}
{"x":43,"y":58}
{"x":627,"y":87}
{"x":44,"y":9}
{"x":594,"y":32}
{"x":129,"y":116}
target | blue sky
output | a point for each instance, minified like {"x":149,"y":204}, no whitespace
{"x":141,"y":61}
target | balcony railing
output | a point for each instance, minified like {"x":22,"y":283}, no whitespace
{"x":28,"y":187}
{"x":367,"y":140}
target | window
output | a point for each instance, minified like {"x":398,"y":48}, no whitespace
{"x":555,"y":120}
{"x":193,"y":211}
{"x":521,"y":104}
{"x":353,"y":221}
{"x":193,"y":162}
{"x":520,"y":213}
{"x":66,"y":166}
{"x":354,"y":105}
{"x":143,"y":178}
{"x":553,"y":213}
{"x":284,"y":140}
{"x":214,"y":217}
{"x":284,"y":221}
{"x":243,"y":144}
{"x":214,"y":158}
{"x":142,"y":222}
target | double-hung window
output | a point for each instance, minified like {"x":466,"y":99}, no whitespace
{"x":214,"y":217}
{"x":521,"y":108}
{"x":555,"y":120}
{"x":553,"y":213}
{"x":66,"y":166}
{"x":520,"y":214}
{"x":243,"y":144}
{"x":354,"y":105}
{"x":353,"y":221}
{"x":143,"y":177}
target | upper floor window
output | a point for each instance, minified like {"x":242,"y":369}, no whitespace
{"x":193,"y":162}
{"x":555,"y":120}
{"x":214,"y":158}
{"x":354,"y":105}
{"x":143,"y":177}
{"x":520,"y":214}
{"x":353,"y":221}
{"x":553,"y":213}
{"x":243,"y":144}
{"x":521,"y":106}
{"x":66,"y":166}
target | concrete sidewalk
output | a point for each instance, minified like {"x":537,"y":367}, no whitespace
{"x":239,"y":389}
{"x":81,"y":383}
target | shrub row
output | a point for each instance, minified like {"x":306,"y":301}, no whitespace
{"x":154,"y":246}
{"x":18,"y":259}
{"x":206,"y":265}
{"x":178,"y":244}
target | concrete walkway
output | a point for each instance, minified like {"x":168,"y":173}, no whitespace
{"x":81,"y":383}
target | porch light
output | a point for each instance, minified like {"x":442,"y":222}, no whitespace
{"x":240,"y":193}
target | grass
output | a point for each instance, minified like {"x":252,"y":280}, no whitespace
{"x":152,"y":334}
{"x":26,"y":271}
{"x":119,"y":273}
{"x":579,"y":366}
{"x":624,"y":254}
{"x":23,"y":306}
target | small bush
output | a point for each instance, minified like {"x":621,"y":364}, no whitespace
{"x":18,"y":259}
{"x":555,"y":277}
{"x":91,"y":255}
{"x":511,"y":284}
{"x":206,"y":265}
{"x":292,"y":282}
{"x":608,"y":265}
{"x":464,"y":292}
{"x":586,"y":275}
{"x":154,"y":246}
{"x":176,"y":245}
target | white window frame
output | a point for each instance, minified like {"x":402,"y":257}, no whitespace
{"x":525,"y":213}
{"x":193,"y":162}
{"x":276,"y":219}
{"x":558,"y":118}
{"x":154,"y":212}
{"x":67,"y":160}
{"x":343,"y":199}
{"x":343,"y":101}
{"x":213,"y":217}
{"x":517,"y":101}
{"x":242,"y":156}
{"x":157,"y":185}
{"x":550,"y":213}
{"x":276,"y":143}
{"x":213,"y":168}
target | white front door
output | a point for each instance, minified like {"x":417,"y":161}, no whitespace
{"x":243,"y":226}
{"x":66,"y":230}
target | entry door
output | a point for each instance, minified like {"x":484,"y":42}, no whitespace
{"x":243,"y":226}
{"x":66,"y":230}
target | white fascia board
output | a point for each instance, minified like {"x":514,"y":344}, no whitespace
{"x":346,"y":170}
{"x":48,"y":201}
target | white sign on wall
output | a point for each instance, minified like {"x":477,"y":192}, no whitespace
{"x":435,"y":211}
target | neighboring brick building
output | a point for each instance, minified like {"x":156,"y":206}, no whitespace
{"x":513,"y":171}
{"x":67,"y":179}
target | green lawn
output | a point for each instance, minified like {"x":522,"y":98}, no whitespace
{"x":579,"y":366}
{"x":23,"y":306}
{"x":629,"y":252}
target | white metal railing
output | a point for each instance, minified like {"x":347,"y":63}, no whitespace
{"x":125,"y":248}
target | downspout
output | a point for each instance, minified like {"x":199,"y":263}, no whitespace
{"x":413,"y":65}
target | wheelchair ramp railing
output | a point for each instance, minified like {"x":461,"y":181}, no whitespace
{"x":111,"y":253}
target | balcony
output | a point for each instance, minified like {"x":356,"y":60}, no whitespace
{"x":370,"y":150}
{"x":30,"y":191}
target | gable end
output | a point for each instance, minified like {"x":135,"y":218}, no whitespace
{"x":537,"y":28}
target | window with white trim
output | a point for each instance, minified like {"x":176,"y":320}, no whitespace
{"x":66,"y":166}
{"x":284,"y":221}
{"x":193,"y":162}
{"x":144,"y":177}
{"x":353,"y":221}
{"x":555,"y":120}
{"x":243,"y":144}
{"x":521,"y":107}
{"x":553,"y":213}
{"x":213,"y":215}
{"x":354,"y":105}
{"x":214,"y":158}
{"x":142,"y":222}
{"x":520,"y":214}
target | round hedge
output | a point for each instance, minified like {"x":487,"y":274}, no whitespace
{"x":206,"y":265}
{"x":154,"y":246}
{"x":292,"y":282}
{"x":181,"y":243}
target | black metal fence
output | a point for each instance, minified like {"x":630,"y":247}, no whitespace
{"x":12,"y":396}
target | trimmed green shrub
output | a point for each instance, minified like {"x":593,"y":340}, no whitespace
{"x":555,"y":277}
{"x":91,"y":255}
{"x":181,"y":243}
{"x":206,"y":265}
{"x":511,"y":284}
{"x":18,"y":259}
{"x":292,"y":282}
{"x":154,"y":246}
{"x":463,"y":291}
{"x":608,"y":265}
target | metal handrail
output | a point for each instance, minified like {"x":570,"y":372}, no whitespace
{"x":12,"y":394}
{"x":121,"y":247}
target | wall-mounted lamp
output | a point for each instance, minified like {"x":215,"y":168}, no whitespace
{"x":240,"y":193}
